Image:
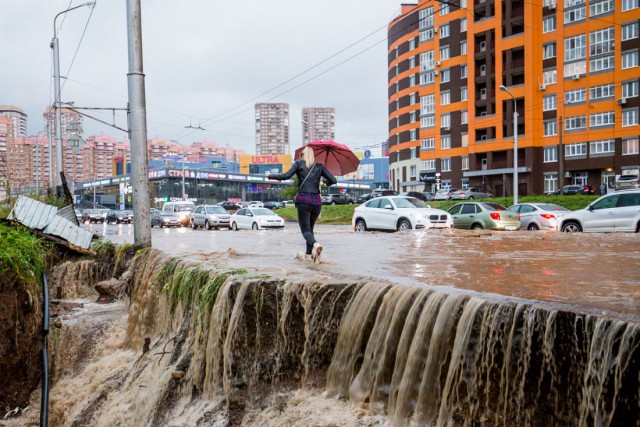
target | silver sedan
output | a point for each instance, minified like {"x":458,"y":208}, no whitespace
{"x":539,"y":216}
{"x":470,"y":193}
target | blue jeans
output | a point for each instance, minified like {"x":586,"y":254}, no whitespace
{"x":307,"y":216}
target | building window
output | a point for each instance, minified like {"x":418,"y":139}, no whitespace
{"x":630,"y":88}
{"x":445,"y":121}
{"x":412,"y":117}
{"x":630,"y":31}
{"x":602,"y":63}
{"x":549,"y":102}
{"x":445,"y":142}
{"x":549,"y":127}
{"x":445,"y":165}
{"x":428,"y":165}
{"x":412,"y":62}
{"x":412,"y":44}
{"x":600,"y":7}
{"x":606,"y":146}
{"x":427,"y":104}
{"x":412,"y":98}
{"x":445,"y":76}
{"x":549,"y":50}
{"x":444,"y":31}
{"x":412,"y":80}
{"x":629,"y":59}
{"x":425,"y":18}
{"x":602,"y":91}
{"x":445,"y":98}
{"x":630,"y":117}
{"x":428,"y":122}
{"x":601,"y":41}
{"x":463,"y":71}
{"x":426,"y":61}
{"x":550,"y":154}
{"x":464,"y":93}
{"x":444,"y":8}
{"x":465,"y":163}
{"x":602,"y":119}
{"x":575,"y":69}
{"x":412,"y":135}
{"x":574,"y":15}
{"x":464,"y":117}
{"x":427,"y":78}
{"x":412,"y":151}
{"x":549,"y":24}
{"x":630,"y":146}
{"x":574,"y":96}
{"x":463,"y":25}
{"x":549,"y":77}
{"x":465,"y":140}
{"x":428,"y":144}
{"x":444,"y":53}
{"x":463,"y":47}
{"x":575,"y":48}
{"x":413,"y":171}
{"x":426,"y":35}
{"x":550,"y":182}
{"x":575,"y":123}
{"x":578,"y":149}
{"x":629,"y":4}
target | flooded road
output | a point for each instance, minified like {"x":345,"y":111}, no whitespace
{"x":594,"y":272}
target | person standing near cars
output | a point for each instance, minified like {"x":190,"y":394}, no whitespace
{"x":603,"y":189}
{"x":308,"y":201}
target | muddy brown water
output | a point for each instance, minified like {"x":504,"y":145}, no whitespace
{"x":593,"y":272}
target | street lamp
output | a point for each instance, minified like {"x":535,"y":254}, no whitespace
{"x":183,"y":193}
{"x":515,"y":144}
{"x":56,"y":84}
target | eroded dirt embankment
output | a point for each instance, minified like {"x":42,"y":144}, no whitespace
{"x":208,"y":344}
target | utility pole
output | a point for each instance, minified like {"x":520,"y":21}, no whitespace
{"x":138,"y":128}
{"x":560,"y":156}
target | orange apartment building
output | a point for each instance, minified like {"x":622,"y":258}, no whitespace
{"x":570,"y":68}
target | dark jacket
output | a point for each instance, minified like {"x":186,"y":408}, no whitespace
{"x":312,"y":183}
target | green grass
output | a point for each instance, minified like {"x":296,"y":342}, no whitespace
{"x":22,"y":255}
{"x":341,"y":214}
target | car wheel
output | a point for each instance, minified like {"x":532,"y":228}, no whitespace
{"x":476,"y":226}
{"x":533,"y":227}
{"x":404,"y":225}
{"x":333,"y":203}
{"x":193,"y":225}
{"x":234,"y":226}
{"x":350,"y":202}
{"x":161,"y":224}
{"x":470,"y":197}
{"x":254,"y":226}
{"x":571,"y":227}
{"x":360,"y":225}
{"x":207,"y":225}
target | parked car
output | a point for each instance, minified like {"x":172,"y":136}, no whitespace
{"x":470,"y":193}
{"x":273,"y":205}
{"x":479,"y":215}
{"x":444,"y":193}
{"x":230,"y":206}
{"x":398,"y":213}
{"x":425,"y":197}
{"x":616,"y":211}
{"x":210,"y":216}
{"x":624,"y":182}
{"x":256,"y":219}
{"x":539,"y":216}
{"x":576,"y":189}
{"x":384,"y":192}
{"x":129,"y":214}
{"x":288,"y":203}
{"x":117,"y":217}
{"x":256,"y":204}
{"x":337,"y":199}
{"x":165,"y":219}
{"x":364,"y":197}
{"x":182,"y":209}
{"x":92,"y":215}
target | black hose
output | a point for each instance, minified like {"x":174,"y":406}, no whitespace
{"x":44,"y":399}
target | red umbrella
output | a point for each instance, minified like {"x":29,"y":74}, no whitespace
{"x":337,"y":158}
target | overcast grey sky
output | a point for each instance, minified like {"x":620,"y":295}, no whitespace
{"x":202,"y":58}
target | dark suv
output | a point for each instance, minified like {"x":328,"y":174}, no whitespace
{"x":337,"y":199}
{"x":576,"y":189}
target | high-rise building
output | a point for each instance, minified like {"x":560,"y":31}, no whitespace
{"x":459,"y":70}
{"x":272,"y":128}
{"x":19,"y":119}
{"x":318,"y":124}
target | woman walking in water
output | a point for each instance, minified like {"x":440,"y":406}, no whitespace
{"x":307,"y":200}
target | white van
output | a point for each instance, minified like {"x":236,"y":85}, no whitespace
{"x":182,"y":209}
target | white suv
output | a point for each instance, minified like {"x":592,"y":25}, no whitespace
{"x":210,"y":216}
{"x":618,"y":211}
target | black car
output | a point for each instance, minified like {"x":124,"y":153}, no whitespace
{"x":576,"y":189}
{"x":273,"y":205}
{"x":230,"y":206}
{"x":365,"y":197}
{"x":337,"y":199}
{"x":425,"y":197}
{"x":117,"y":217}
